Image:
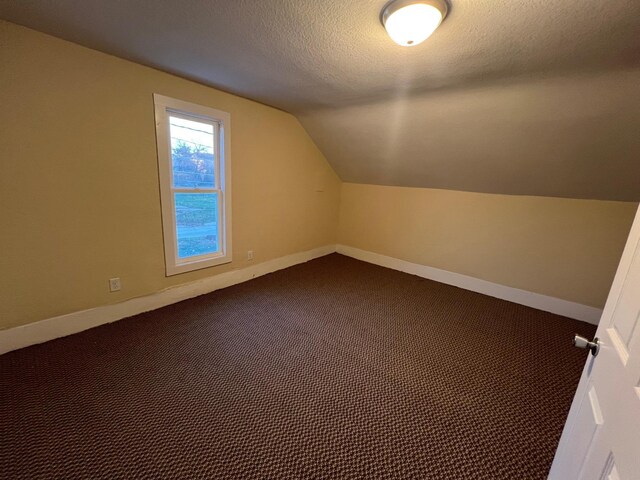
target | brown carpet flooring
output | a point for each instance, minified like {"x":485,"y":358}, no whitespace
{"x":331,"y":369}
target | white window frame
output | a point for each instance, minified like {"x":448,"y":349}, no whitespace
{"x":221,"y":121}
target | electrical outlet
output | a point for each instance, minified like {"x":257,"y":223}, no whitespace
{"x":249,"y":254}
{"x":114,"y":285}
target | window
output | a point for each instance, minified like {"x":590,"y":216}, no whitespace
{"x":195,"y":184}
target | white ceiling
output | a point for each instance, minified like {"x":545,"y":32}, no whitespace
{"x":576,"y":137}
{"x":331,"y":63}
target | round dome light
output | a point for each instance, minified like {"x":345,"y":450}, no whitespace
{"x":410,"y":22}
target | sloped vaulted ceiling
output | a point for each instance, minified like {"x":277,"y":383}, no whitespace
{"x":520,"y":97}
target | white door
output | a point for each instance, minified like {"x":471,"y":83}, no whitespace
{"x":601,"y":439}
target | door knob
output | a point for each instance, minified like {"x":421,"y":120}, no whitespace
{"x":581,"y":342}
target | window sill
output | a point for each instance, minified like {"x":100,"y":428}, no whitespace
{"x":197,"y":265}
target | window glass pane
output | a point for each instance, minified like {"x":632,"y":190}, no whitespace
{"x":196,"y":223}
{"x":192,"y":153}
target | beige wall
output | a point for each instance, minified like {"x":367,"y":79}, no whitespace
{"x":560,"y":247}
{"x":79,"y":197}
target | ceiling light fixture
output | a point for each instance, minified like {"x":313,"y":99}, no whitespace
{"x":410,"y":22}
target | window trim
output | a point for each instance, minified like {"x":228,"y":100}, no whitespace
{"x":221,"y":122}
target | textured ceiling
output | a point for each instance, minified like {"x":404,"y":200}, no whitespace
{"x":576,"y":137}
{"x":331,"y":63}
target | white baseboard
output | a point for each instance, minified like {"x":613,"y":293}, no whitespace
{"x":56,"y":327}
{"x":541,"y":302}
